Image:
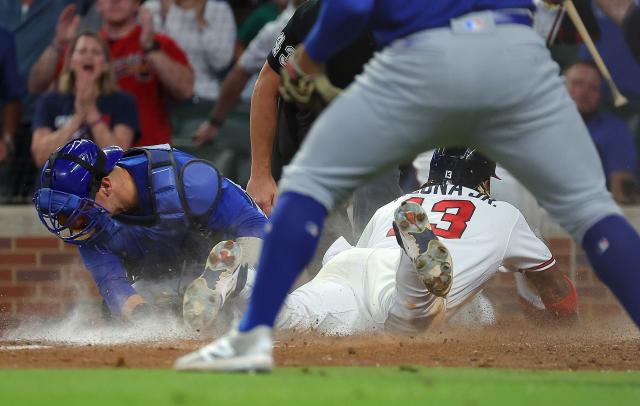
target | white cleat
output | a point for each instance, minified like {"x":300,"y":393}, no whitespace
{"x":205,"y":296}
{"x":234,"y":352}
{"x":430,"y":257}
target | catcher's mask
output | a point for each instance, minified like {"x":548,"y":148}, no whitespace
{"x":69,"y":182}
{"x":461,"y":166}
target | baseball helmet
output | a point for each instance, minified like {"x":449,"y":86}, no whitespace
{"x":460,"y":166}
{"x":69,"y":181}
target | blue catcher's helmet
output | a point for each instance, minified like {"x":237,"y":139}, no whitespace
{"x":69,"y":182}
{"x":460,"y":166}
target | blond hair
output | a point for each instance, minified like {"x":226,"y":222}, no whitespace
{"x":106,"y":81}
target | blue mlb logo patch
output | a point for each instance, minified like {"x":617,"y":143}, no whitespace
{"x":473,"y":24}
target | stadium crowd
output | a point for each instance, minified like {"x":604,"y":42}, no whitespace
{"x":135,"y":72}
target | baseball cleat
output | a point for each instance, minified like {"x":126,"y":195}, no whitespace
{"x":430,"y":257}
{"x":206,"y":295}
{"x":234,"y":352}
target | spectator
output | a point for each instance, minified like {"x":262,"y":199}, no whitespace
{"x":10,"y":94}
{"x":33,"y":25}
{"x":258,"y":18}
{"x":249,"y":64}
{"x":86,"y":103}
{"x":618,"y":57}
{"x":206,"y":31}
{"x":147,"y":64}
{"x":611,"y":136}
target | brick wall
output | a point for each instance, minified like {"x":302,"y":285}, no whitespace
{"x":43,"y":277}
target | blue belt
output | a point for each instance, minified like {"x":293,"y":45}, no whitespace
{"x":512,"y":17}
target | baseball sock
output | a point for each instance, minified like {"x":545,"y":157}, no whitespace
{"x":613,"y":248}
{"x":296,"y":225}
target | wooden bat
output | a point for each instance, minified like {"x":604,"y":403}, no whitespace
{"x":618,"y":98}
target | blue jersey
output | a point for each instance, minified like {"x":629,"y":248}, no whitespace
{"x":184,"y":208}
{"x":341,"y":21}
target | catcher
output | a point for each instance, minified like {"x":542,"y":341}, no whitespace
{"x":149,"y":214}
{"x":422,"y":257}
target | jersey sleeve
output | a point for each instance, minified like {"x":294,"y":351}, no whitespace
{"x":285,"y":44}
{"x":340,"y":22}
{"x":110,"y":277}
{"x":525,"y":251}
{"x":237,"y":215}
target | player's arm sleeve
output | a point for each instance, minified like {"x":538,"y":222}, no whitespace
{"x":525,"y":251}
{"x":340,"y":22}
{"x":285,"y":44}
{"x":237,"y":215}
{"x":110,"y":277}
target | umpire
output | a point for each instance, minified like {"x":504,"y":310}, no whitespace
{"x":271,"y":115}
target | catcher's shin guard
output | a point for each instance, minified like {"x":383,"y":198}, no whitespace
{"x":430,"y":257}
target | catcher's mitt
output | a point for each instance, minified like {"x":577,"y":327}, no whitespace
{"x":313,"y":92}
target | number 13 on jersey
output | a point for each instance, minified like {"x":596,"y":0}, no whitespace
{"x":457,"y":214}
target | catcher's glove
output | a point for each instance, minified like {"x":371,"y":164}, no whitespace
{"x":313,"y":92}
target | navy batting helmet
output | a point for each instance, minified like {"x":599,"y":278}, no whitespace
{"x":69,"y":182}
{"x":460,"y":166}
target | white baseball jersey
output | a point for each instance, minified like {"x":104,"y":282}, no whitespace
{"x":483,"y":235}
{"x":356,"y":288}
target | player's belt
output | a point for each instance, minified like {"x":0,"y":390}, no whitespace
{"x":523,"y":17}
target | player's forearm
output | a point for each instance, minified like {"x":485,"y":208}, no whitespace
{"x":339,"y":24}
{"x":43,"y":72}
{"x":175,"y":77}
{"x":556,"y":290}
{"x":230,"y":92}
{"x":264,"y":119}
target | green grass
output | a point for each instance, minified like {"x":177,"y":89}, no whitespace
{"x":320,"y":386}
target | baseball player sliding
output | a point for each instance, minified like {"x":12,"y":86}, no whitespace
{"x":425,"y":253}
{"x":450,"y":72}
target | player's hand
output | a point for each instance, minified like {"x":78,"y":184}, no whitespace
{"x":304,"y":83}
{"x":263,"y":190}
{"x":205,"y":134}
{"x":66,"y":26}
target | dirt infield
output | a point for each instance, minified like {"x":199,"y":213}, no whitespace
{"x":516,"y":345}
